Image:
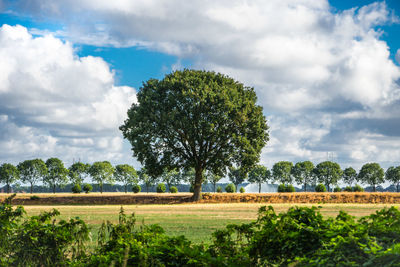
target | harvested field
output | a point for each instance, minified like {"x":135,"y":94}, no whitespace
{"x":167,"y":198}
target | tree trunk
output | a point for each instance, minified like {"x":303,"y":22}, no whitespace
{"x":236,"y":187}
{"x":397,"y":188}
{"x":215,"y":184}
{"x":31,"y":188}
{"x":305,"y":187}
{"x":101,"y":188}
{"x":374,"y":188}
{"x":329,"y":190}
{"x":125,"y":188}
{"x":259,"y":188}
{"x":54,"y":188}
{"x":8,"y":188}
{"x":198,"y":180}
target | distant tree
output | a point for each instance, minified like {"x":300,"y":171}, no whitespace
{"x":237,"y":176}
{"x":372,"y":174}
{"x":126,"y":174}
{"x":77,"y":172}
{"x":102,"y":172}
{"x":393,"y":176}
{"x":8,"y":174}
{"x":56,"y":174}
{"x":349,"y":176}
{"x":282,"y":172}
{"x":259,"y":175}
{"x":303,"y":173}
{"x":171,"y":178}
{"x":328,"y":173}
{"x":196,"y":119}
{"x":31,"y":171}
{"x":188,"y":176}
{"x":146,"y":179}
{"x":213,"y":179}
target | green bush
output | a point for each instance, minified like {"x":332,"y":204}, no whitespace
{"x":230,"y":188}
{"x":87,"y":188}
{"x":290,"y":188}
{"x":320,"y":188}
{"x":348,"y":189}
{"x":219,"y":189}
{"x":76,"y":189}
{"x":242,"y":190}
{"x":173,"y":189}
{"x":161,"y":188}
{"x":358,"y":188}
{"x":34,"y":197}
{"x":337,"y":189}
{"x":136,"y":188}
{"x":281,"y":188}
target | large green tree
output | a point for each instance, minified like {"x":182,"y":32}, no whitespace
{"x":126,"y":174}
{"x":349,"y":176}
{"x":328,"y":173}
{"x":31,"y":171}
{"x":102,"y":172}
{"x":77,"y":172}
{"x":393,"y":176}
{"x":198,"y":119}
{"x":8,"y":174}
{"x":303,"y":173}
{"x":372,"y":174}
{"x":237,"y":176}
{"x":56,"y":174}
{"x":282,"y":172}
{"x":259,"y":175}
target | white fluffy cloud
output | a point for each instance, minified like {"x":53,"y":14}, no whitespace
{"x":314,"y":69}
{"x":53,"y":103}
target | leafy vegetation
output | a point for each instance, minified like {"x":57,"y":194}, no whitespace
{"x":301,"y":236}
{"x":230,"y":188}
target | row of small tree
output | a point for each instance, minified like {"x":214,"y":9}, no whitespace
{"x":329,"y":173}
{"x":54,"y":174}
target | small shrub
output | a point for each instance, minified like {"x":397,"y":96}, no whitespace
{"x":281,"y":188}
{"x":136,"y":188}
{"x":337,"y":189}
{"x":161,"y":188}
{"x":173,"y":189}
{"x":219,"y":189}
{"x":87,"y":188}
{"x":34,"y":197}
{"x":290,"y":188}
{"x":320,"y":188}
{"x":230,"y":188}
{"x":76,"y":189}
{"x":242,"y":190}
{"x":348,"y":189}
{"x":358,"y":188}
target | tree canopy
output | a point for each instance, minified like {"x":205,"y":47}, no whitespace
{"x":77,"y":172}
{"x":349,"y":175}
{"x":328,"y":173}
{"x":259,"y":175}
{"x":199,"y":119}
{"x":303,"y":173}
{"x":56,"y":173}
{"x":102,"y":172}
{"x":237,"y":176}
{"x":372,"y":174}
{"x":126,"y":174}
{"x":282,"y":172}
{"x":393,"y":176}
{"x":31,"y":171}
{"x":8,"y":174}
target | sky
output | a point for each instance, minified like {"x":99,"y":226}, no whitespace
{"x":327,"y":73}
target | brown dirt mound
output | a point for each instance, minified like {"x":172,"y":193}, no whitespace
{"x":117,"y":199}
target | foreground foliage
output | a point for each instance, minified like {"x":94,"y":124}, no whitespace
{"x":298,"y":237}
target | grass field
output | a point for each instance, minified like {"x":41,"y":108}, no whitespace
{"x":195,"y":221}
